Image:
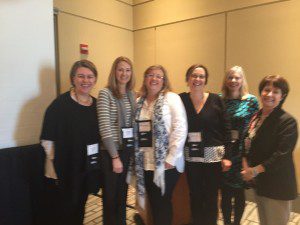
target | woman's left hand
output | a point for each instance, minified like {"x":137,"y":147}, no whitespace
{"x":247,"y":174}
{"x":168,"y":166}
{"x":226,"y":164}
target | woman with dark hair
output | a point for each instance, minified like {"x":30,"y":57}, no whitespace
{"x":115,"y":114}
{"x":240,"y":106}
{"x":268,"y":155}
{"x":162,"y":129}
{"x":70,"y":137}
{"x":207,"y":149}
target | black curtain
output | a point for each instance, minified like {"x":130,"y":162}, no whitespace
{"x":21,"y":185}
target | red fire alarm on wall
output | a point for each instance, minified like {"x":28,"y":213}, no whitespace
{"x":84,"y":49}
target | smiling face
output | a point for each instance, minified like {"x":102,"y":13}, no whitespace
{"x":123,"y":73}
{"x":197,"y":79}
{"x":234,"y":82}
{"x":154,"y":81}
{"x":270,"y":96}
{"x":84,"y":80}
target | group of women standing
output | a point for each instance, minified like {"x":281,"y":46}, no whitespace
{"x":159,"y":135}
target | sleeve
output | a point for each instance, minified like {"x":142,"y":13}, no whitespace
{"x":103,"y":109}
{"x":179,"y":128}
{"x":48,"y":138}
{"x":226,"y":126}
{"x":50,"y":153}
{"x":287,"y":138}
{"x":49,"y":127}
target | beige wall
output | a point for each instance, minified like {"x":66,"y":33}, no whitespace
{"x":106,"y":26}
{"x":262,"y":36}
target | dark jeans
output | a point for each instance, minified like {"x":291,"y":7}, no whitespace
{"x":114,"y":189}
{"x":161,"y":205}
{"x":238,"y":194}
{"x":204,"y":182}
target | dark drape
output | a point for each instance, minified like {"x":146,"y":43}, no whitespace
{"x":21,"y":185}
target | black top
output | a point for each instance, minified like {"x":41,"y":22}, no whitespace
{"x":212,"y":121}
{"x":273,"y":146}
{"x":72,"y":127}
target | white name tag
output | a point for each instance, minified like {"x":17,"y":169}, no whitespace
{"x":195,"y":137}
{"x":127,"y":132}
{"x":145,"y":126}
{"x":92,"y":149}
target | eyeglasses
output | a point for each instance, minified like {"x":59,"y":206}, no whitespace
{"x":85,"y":76}
{"x":157,"y":76}
{"x":200,"y":76}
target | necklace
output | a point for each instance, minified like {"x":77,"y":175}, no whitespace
{"x":86,"y":102}
{"x":198,"y":102}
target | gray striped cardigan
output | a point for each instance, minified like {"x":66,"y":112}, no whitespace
{"x":108,"y":120}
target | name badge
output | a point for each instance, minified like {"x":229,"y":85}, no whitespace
{"x":234,"y":135}
{"x":93,"y":157}
{"x":127,"y":138}
{"x":194,"y":137}
{"x":145,"y":133}
{"x":195,"y":144}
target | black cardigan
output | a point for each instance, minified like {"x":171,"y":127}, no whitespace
{"x":273,"y":147}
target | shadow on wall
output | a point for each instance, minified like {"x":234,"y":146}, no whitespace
{"x":28,"y":126}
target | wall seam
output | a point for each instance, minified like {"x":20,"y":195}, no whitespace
{"x":94,"y":20}
{"x":212,"y":14}
{"x":225,"y":42}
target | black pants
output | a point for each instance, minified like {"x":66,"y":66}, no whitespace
{"x":114,"y":190}
{"x":204,"y":181}
{"x":238,"y":194}
{"x":61,"y":206}
{"x":161,"y":205}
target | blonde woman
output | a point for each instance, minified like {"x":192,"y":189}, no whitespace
{"x":240,"y":106}
{"x":115,"y":115}
{"x":162,"y":130}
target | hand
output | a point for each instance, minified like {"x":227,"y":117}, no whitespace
{"x":117,"y":165}
{"x":247,"y":174}
{"x":226,"y":164}
{"x":168,"y":166}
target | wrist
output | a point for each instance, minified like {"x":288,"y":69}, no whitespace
{"x":254,"y":172}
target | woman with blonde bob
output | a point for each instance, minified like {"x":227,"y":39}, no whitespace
{"x":115,"y":115}
{"x":240,"y":106}
{"x":161,"y":133}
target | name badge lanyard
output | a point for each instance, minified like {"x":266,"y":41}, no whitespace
{"x":195,"y":144}
{"x":145,"y":133}
{"x":128,"y":139}
{"x":93,"y":157}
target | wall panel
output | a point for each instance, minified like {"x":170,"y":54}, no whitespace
{"x":265,"y":40}
{"x":105,"y":44}
{"x":144,"y":52}
{"x":198,"y":41}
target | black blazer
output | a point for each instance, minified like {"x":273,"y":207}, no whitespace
{"x":273,"y":147}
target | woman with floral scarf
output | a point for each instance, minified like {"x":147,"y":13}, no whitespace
{"x":161,"y":133}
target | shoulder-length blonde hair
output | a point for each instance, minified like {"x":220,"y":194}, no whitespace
{"x":166,"y":82}
{"x":244,"y":87}
{"x":112,"y":83}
